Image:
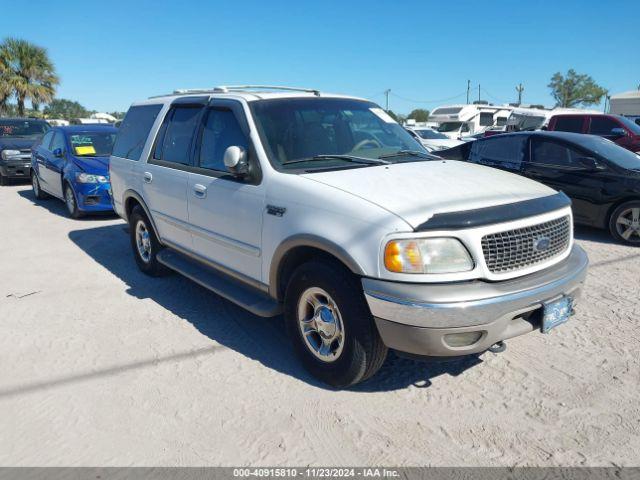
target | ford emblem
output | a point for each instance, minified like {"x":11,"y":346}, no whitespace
{"x":541,"y":244}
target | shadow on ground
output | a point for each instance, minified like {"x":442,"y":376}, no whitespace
{"x":260,"y":339}
{"x":591,"y":234}
{"x":57,"y":207}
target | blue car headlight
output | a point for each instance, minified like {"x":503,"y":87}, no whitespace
{"x":90,"y":178}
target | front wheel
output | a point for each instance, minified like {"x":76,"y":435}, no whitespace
{"x":330,"y":325}
{"x":71,"y":202}
{"x":624,"y":223}
{"x":3,"y":180}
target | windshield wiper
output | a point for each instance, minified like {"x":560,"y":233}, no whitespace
{"x":347,"y":158}
{"x":410,"y":153}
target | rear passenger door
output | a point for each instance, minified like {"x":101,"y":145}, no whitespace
{"x":166,"y":174}
{"x":225,"y":211}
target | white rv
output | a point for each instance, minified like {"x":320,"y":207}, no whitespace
{"x":457,"y":121}
{"x":529,"y":118}
{"x":627,"y":104}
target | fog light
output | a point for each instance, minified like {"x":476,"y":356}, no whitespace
{"x":462,"y":339}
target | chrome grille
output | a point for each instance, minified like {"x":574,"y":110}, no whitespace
{"x":524,"y":247}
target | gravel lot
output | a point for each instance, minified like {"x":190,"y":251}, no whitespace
{"x":100,"y":365}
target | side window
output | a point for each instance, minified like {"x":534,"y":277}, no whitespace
{"x":221,"y":131}
{"x":504,"y":151}
{"x":569,"y":124}
{"x":134,"y":130}
{"x":46,"y":140}
{"x":486,"y":119}
{"x":58,"y":142}
{"x":602,"y":126}
{"x":174,"y":142}
{"x":465,"y":128}
{"x":551,"y":153}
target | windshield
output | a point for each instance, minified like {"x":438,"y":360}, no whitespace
{"x":430,"y":134}
{"x":23,"y":128}
{"x":92,"y":144}
{"x":632,"y":126}
{"x":449,"y":126}
{"x":296,"y":130}
{"x":612,"y":152}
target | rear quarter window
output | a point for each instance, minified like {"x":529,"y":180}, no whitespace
{"x":569,"y":124}
{"x":134,"y":130}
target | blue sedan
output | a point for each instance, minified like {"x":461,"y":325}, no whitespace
{"x":72,"y":164}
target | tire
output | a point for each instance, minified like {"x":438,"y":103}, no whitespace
{"x":350,"y":357}
{"x":71,"y":201}
{"x":624,"y":223}
{"x":4,"y":181}
{"x":145,"y":253}
{"x":37,"y":190}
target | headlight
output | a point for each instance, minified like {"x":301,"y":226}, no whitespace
{"x":88,"y":178}
{"x":9,"y":153}
{"x":427,"y":255}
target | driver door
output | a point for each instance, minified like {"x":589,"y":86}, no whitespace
{"x":51,"y":174}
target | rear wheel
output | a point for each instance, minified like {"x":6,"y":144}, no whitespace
{"x":330,"y":325}
{"x":145,"y":244}
{"x":71,"y":202}
{"x":624,"y":223}
{"x":35,"y":184}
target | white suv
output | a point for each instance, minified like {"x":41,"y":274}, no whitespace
{"x":323,"y":208}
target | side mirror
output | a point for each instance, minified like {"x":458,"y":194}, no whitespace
{"x":590,"y":164}
{"x":235,"y":159}
{"x":618,"y":132}
{"x":58,"y":153}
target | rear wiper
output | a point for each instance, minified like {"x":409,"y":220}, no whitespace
{"x":347,"y":158}
{"x":411,"y":153}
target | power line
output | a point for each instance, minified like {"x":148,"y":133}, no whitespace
{"x":427,"y":101}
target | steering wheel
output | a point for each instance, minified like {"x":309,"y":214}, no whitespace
{"x":367,"y":141}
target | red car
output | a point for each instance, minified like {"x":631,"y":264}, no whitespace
{"x":616,"y":128}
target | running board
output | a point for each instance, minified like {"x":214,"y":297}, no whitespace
{"x":245,"y":296}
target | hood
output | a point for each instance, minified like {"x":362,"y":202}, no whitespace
{"x":418,"y":190}
{"x":441,"y":143}
{"x":8,"y":143}
{"x":95,"y":165}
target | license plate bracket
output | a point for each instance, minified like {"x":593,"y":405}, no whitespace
{"x":556,"y":313}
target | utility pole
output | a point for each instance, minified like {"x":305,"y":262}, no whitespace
{"x":479,"y":93}
{"x":520,"y":89}
{"x":386,"y":92}
{"x":469,"y":89}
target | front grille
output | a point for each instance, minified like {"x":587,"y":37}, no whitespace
{"x":524,"y":247}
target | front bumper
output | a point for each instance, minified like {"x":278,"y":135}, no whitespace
{"x":416,"y":318}
{"x":19,"y":168}
{"x":94,"y":197}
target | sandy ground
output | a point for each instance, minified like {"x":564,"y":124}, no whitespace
{"x":102,"y":366}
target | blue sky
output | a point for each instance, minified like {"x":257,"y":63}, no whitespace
{"x":109,"y":54}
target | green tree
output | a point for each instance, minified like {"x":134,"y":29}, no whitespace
{"x":575,"y":89}
{"x":27,"y":73}
{"x":392,"y":114}
{"x":419,"y":115}
{"x":67,"y":109}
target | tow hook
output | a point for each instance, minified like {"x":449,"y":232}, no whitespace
{"x":498,"y":347}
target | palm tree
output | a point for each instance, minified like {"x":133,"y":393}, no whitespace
{"x":26,"y":73}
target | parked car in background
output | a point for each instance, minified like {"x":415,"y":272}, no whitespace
{"x":323,"y":208}
{"x":601,"y":178}
{"x":432,"y":140}
{"x":72,"y":164}
{"x":616,"y":128}
{"x":17,"y":136}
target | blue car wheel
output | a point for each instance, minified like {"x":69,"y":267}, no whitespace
{"x":71,"y":201}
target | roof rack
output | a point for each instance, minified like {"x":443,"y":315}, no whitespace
{"x":238,"y":88}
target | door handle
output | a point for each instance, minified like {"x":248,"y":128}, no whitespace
{"x":147,"y":177}
{"x":199,"y":191}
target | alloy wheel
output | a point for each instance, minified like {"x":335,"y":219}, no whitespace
{"x":321,"y":324}
{"x":628,"y":224}
{"x":143,"y":241}
{"x":70,"y":200}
